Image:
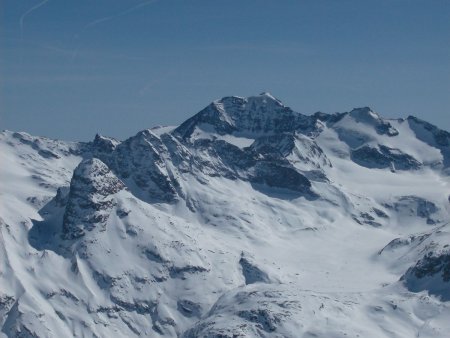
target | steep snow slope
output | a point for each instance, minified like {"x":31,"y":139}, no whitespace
{"x":249,"y":219}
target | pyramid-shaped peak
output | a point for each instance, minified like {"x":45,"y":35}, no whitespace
{"x":90,"y":198}
{"x":267,"y":98}
{"x":94,"y":176}
{"x":367,"y":116}
{"x":102,"y":138}
{"x":259,"y":114}
{"x":268,"y":95}
{"x":364,"y":113}
{"x":263,"y":99}
{"x":91,"y":167}
{"x":105,"y":144}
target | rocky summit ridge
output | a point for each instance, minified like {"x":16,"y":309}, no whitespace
{"x":247,"y":220}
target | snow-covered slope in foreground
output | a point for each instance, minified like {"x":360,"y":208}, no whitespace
{"x":247,"y":220}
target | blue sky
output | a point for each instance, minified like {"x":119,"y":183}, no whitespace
{"x":70,"y":69}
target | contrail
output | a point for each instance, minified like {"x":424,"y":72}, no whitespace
{"x":107,"y":18}
{"x":22,"y":18}
{"x":111,"y":17}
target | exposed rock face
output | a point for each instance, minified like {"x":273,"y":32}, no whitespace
{"x":428,"y":255}
{"x":261,"y":114}
{"x":222,"y":159}
{"x":90,"y":199}
{"x":48,"y":149}
{"x":430,"y":273}
{"x":251,"y":272}
{"x":278,"y":176}
{"x":105,"y":145}
{"x":432,"y":135}
{"x":251,"y":312}
{"x":262,"y":310}
{"x":414,"y":206}
{"x":433,"y":264}
{"x":254,"y":164}
{"x":300,"y":150}
{"x":367,"y":116}
{"x":142,"y":160}
{"x":384,"y":157}
{"x":439,"y":136}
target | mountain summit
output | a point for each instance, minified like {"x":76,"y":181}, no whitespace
{"x":247,"y":220}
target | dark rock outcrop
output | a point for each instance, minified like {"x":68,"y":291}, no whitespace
{"x":382,"y":157}
{"x":431,"y":273}
{"x":89,"y":202}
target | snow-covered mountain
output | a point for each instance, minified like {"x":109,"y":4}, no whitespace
{"x":247,"y":220}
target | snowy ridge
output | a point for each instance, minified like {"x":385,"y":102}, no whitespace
{"x":248,"y":219}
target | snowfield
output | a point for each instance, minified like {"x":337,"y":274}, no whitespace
{"x":247,"y":220}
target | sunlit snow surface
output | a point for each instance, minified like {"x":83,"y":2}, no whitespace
{"x":202,"y":240}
